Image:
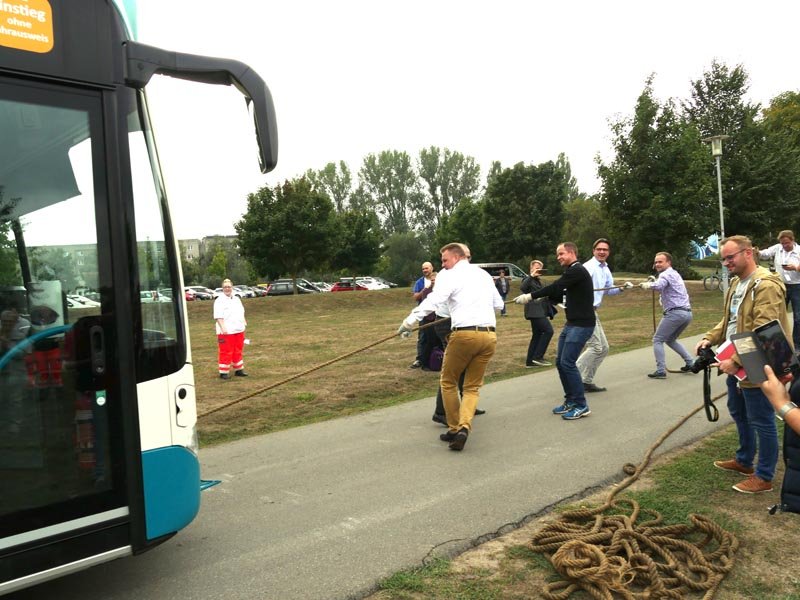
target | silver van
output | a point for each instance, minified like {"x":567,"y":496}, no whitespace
{"x":511,"y":269}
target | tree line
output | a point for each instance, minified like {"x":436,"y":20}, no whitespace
{"x":658,"y":192}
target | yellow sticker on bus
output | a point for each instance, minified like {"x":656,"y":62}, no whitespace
{"x":26,"y":25}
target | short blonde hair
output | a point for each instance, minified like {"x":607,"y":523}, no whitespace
{"x":454,"y":248}
{"x":742,"y":241}
{"x":786,"y":233}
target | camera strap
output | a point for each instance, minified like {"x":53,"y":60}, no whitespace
{"x":712,"y":414}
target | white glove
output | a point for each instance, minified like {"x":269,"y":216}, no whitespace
{"x":405,"y":328}
{"x":522,"y":299}
{"x":646,"y":285}
{"x":627,"y":285}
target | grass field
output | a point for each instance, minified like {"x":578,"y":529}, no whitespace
{"x":290,"y":334}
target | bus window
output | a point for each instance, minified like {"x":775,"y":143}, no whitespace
{"x":162,"y":348}
{"x":55,"y":414}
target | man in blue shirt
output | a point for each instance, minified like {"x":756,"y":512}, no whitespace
{"x":422,"y":336}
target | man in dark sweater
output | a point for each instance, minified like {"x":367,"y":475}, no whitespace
{"x":575,"y":288}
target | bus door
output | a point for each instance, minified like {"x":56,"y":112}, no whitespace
{"x":62,"y":467}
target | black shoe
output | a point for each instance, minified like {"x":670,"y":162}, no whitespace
{"x":437,"y":418}
{"x":415,"y":365}
{"x":590,"y":387}
{"x":459,"y":439}
{"x":657,"y":375}
{"x":478,"y":411}
{"x":224,"y":376}
{"x":449,"y":436}
{"x":240,"y":373}
{"x":686,"y":369}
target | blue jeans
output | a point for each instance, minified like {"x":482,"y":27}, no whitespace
{"x":570,"y":343}
{"x":793,"y":298}
{"x":755,"y":420}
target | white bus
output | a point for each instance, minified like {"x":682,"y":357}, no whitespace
{"x":98,"y":451}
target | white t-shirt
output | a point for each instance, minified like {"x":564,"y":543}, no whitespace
{"x":231,"y":309}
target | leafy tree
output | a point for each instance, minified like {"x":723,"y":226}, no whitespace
{"x":573,"y":193}
{"x":55,"y":264}
{"x":358,"y":242}
{"x":782,"y":116}
{"x":523,"y":211}
{"x":449,"y":178}
{"x":218,"y":268}
{"x":336,"y":182}
{"x":781,"y":124}
{"x":657,"y":194}
{"x":755,"y":170}
{"x":464,"y":225}
{"x":584,"y":222}
{"x":402,"y":257}
{"x":391,"y":187}
{"x":286,"y":230}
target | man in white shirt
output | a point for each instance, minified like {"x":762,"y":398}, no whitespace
{"x":597,"y":346}
{"x":471,"y":299}
{"x":786,"y":254}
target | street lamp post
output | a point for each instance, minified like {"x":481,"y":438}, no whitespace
{"x":716,"y":152}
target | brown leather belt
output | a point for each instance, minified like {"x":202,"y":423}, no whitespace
{"x":473,"y":328}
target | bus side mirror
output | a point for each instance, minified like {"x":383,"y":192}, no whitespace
{"x":143,"y":61}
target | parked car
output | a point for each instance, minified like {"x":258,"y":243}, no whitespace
{"x":385,"y":282}
{"x":371,"y":283}
{"x":345,"y":284}
{"x":150,"y":296}
{"x":244,"y":291}
{"x":200,"y":292}
{"x":511,"y":269}
{"x":301,"y":283}
{"x":258,"y":291}
{"x":82,"y":300}
{"x":323,"y":287}
{"x":285,"y":288}
{"x":236,"y":292}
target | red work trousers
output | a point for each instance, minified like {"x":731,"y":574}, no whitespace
{"x":230,"y":352}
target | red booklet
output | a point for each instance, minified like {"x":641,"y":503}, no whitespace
{"x":727,"y":350}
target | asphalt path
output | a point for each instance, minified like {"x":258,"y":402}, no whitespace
{"x":325,"y":511}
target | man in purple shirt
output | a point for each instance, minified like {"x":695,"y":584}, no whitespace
{"x":677,"y":314}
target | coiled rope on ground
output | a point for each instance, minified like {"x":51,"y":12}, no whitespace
{"x":616,"y":556}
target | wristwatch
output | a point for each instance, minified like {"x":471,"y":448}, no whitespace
{"x":784,"y":410}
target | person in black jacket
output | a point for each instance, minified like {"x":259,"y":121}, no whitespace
{"x":785,"y":405}
{"x":576,"y":287}
{"x":539,"y":314}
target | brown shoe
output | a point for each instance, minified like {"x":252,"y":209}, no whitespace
{"x":732,"y":465}
{"x":753,"y":485}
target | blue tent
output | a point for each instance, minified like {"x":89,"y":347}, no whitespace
{"x":707,"y":248}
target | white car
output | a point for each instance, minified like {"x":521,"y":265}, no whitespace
{"x":323,"y":287}
{"x":371,"y":283}
{"x":82,"y":300}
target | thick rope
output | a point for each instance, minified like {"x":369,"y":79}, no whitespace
{"x":612,"y":556}
{"x":332,"y":361}
{"x":310,"y":370}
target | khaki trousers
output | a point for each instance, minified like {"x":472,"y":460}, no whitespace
{"x":467,"y":352}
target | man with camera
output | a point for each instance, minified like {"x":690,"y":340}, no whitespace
{"x":755,"y":297}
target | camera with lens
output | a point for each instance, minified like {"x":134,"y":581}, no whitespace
{"x":705,"y":358}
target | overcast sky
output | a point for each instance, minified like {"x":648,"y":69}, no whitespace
{"x":514,"y":81}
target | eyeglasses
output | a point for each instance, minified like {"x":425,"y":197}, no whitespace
{"x":730,"y":257}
